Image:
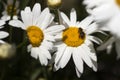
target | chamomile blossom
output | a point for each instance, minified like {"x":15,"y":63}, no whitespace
{"x":8,"y":10}
{"x":39,"y":32}
{"x":106,"y":13}
{"x":3,"y":34}
{"x":76,"y":42}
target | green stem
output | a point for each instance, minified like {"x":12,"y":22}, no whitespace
{"x":11,"y":17}
{"x":56,"y":12}
{"x":45,"y":73}
{"x":58,"y":16}
{"x":24,"y":42}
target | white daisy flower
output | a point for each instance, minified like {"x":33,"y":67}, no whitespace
{"x":39,"y":31}
{"x":75,"y":41}
{"x":107,"y":14}
{"x":8,"y":10}
{"x":3,"y":34}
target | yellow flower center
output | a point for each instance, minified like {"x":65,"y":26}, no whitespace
{"x":73,"y":36}
{"x":35,"y":35}
{"x":118,"y":2}
{"x":9,"y":10}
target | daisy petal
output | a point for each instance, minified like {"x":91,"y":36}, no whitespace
{"x":54,"y":29}
{"x":85,"y":57}
{"x":86,"y":22}
{"x":77,"y":60}
{"x":90,"y":51}
{"x":34,"y":53}
{"x":17,"y":23}
{"x":42,"y":57}
{"x":77,"y":72}
{"x":27,"y":18}
{"x":2,"y":22}
{"x":46,"y":52}
{"x":42,"y":17}
{"x":29,"y":47}
{"x":49,"y":37}
{"x":73,"y":17}
{"x":66,"y":57}
{"x":47,"y":20}
{"x":65,"y":18}
{"x":3,"y":34}
{"x":95,"y":39}
{"x":36,"y":12}
{"x":59,"y":53}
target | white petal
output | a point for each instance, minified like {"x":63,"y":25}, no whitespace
{"x":34,"y":53}
{"x":2,"y":22}
{"x":85,"y":57}
{"x":60,"y":53}
{"x":3,"y":34}
{"x":90,"y":51}
{"x":58,"y":36}
{"x":49,"y":37}
{"x":36,"y":12}
{"x":73,"y":17}
{"x":17,"y":23}
{"x":86,"y":22}
{"x":54,"y":29}
{"x":94,"y":65}
{"x":77,"y":60}
{"x":47,"y":45}
{"x":44,"y":15}
{"x":66,"y":57}
{"x":27,"y":18}
{"x":101,"y":12}
{"x":5,"y":17}
{"x":46,"y":52}
{"x":1,"y":27}
{"x":78,"y":73}
{"x":42,"y":58}
{"x":92,"y":28}
{"x":94,"y":39}
{"x":29,"y":47}
{"x":65,"y":18}
{"x":47,"y":20}
{"x":1,"y":41}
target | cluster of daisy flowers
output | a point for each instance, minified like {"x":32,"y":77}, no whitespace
{"x":107,"y":14}
{"x":72,"y":39}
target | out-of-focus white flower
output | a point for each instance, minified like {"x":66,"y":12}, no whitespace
{"x":8,"y":10}
{"x":39,"y":31}
{"x":7,"y":50}
{"x":75,"y":41}
{"x":107,"y":14}
{"x":3,"y":34}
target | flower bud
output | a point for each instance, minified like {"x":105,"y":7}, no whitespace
{"x":54,"y":4}
{"x":6,"y":50}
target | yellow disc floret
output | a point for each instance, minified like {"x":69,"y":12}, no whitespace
{"x":118,"y":2}
{"x":9,"y":10}
{"x":73,"y":36}
{"x":35,"y":35}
